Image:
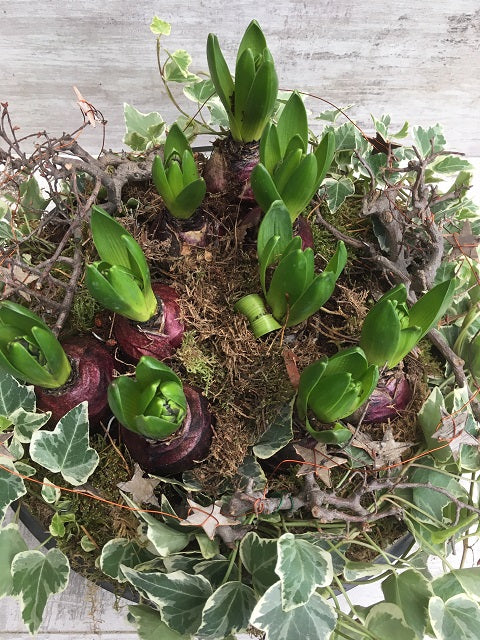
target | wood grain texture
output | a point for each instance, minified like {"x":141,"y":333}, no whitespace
{"x":418,"y":61}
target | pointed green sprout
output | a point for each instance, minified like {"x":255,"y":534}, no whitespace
{"x":29,"y":350}
{"x":250,"y":98}
{"x":153,"y":403}
{"x":333,"y":388}
{"x":286,"y":170}
{"x":295,"y":292}
{"x":176,"y":176}
{"x":120,"y":281}
{"x":391,"y":329}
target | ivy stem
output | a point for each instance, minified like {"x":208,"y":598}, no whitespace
{"x":352,"y":625}
{"x":46,"y":541}
{"x":231,"y":563}
{"x":165,"y":83}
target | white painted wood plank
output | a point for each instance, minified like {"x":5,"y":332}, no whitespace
{"x":416,"y":60}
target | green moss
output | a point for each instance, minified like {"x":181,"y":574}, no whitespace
{"x":201,"y":366}
{"x":346,"y":219}
{"x":84,"y":309}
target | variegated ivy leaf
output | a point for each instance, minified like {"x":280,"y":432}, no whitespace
{"x":149,"y":625}
{"x":466,"y":581}
{"x":121,"y":551}
{"x":227,"y":611}
{"x":177,"y":67}
{"x":259,"y":556}
{"x":15,"y":449}
{"x":315,"y":619}
{"x":159,"y":27}
{"x":208,"y":548}
{"x":144,"y":130}
{"x":411,"y":591}
{"x":302,"y":568}
{"x":385,"y":620}
{"x":180,"y":596}
{"x":66,"y":449}
{"x":278,"y":432}
{"x":338,"y":191}
{"x":27,"y":422}
{"x":35,"y":577}
{"x":356,"y":570}
{"x":50,"y":493}
{"x":456,"y":618}
{"x":12,"y":486}
{"x":11,"y":543}
{"x":248,"y":472}
{"x":428,"y":140}
{"x":165,"y":539}
{"x":14,"y":395}
{"x":213,"y":570}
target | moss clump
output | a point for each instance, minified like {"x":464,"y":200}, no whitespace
{"x":83,"y":312}
{"x":201,"y":366}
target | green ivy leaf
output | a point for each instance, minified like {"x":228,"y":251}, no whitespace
{"x":144,"y":130}
{"x":35,"y":577}
{"x":249,"y":470}
{"x":451,"y":164}
{"x":11,"y":543}
{"x":11,"y":486}
{"x":121,"y":551}
{"x":176,"y":68}
{"x":180,"y":596}
{"x":57,"y":526}
{"x":66,"y":449}
{"x":431,"y":502}
{"x":386,"y":620}
{"x":14,"y":396}
{"x":49,"y":493}
{"x":425,"y":137}
{"x":458,"y":581}
{"x":27,"y":422}
{"x":356,"y":570}
{"x":338,"y":191}
{"x":87,"y":545}
{"x":411,"y":591}
{"x":278,"y":432}
{"x":32,"y":203}
{"x":208,"y":548}
{"x":429,"y":417}
{"x":302,"y":568}
{"x":259,"y":556}
{"x":213,"y":570}
{"x":149,"y":625}
{"x":160,"y":27}
{"x":165,"y":539}
{"x":315,"y":619}
{"x":456,"y":618}
{"x":227,"y":611}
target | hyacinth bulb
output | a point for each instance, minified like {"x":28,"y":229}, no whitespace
{"x":92,"y":371}
{"x":161,"y":336}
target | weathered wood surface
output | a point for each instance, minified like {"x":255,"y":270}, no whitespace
{"x":419,"y":61}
